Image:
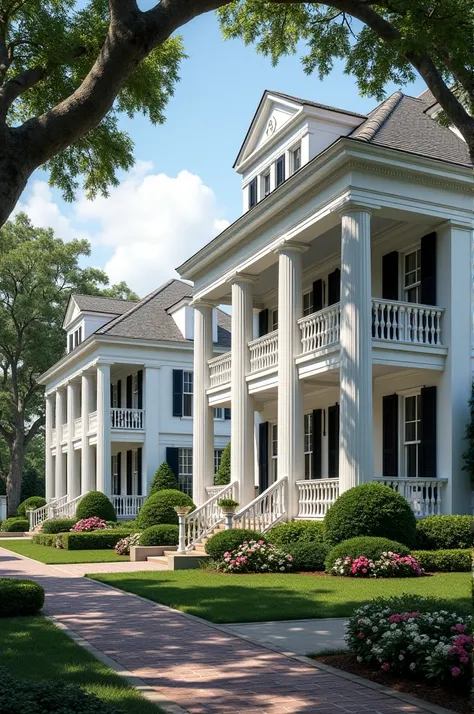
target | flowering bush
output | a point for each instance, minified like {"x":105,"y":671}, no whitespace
{"x":124,"y":545}
{"x":429,"y":644}
{"x":255,"y":557}
{"x":86,"y":525}
{"x":389,"y":565}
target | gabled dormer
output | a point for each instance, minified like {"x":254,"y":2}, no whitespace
{"x":183,"y":314}
{"x":286,"y":133}
{"x":87,"y":313}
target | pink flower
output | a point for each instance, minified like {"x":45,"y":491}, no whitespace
{"x":385,"y":666}
{"x":455,"y":671}
{"x":360,"y":636}
{"x":458,"y":628}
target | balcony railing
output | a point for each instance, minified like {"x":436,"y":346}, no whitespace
{"x":93,"y":421}
{"x":423,"y":494}
{"x":219,"y":370}
{"x":64,"y":432}
{"x":53,"y":435}
{"x":406,"y":322}
{"x":264,"y":352}
{"x":77,"y":427}
{"x":127,"y":418}
{"x":127,"y":506}
{"x":320,"y":329}
{"x":315,"y":497}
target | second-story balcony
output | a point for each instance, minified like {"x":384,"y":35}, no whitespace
{"x":122,"y":418}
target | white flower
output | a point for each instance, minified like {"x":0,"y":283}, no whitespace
{"x":359,"y":658}
{"x":401,"y":657}
{"x":413,"y":666}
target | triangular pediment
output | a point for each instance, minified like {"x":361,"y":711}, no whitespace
{"x":72,"y":312}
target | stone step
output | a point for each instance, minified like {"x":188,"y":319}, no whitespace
{"x":158,"y":559}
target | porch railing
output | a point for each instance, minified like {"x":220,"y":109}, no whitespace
{"x":39,"y":515}
{"x":93,"y":421}
{"x":423,"y":494}
{"x":198,"y":524}
{"x":266,"y":510}
{"x":53,"y":435}
{"x":127,"y":418}
{"x":67,"y":509}
{"x":316,"y":496}
{"x":64,"y":432}
{"x":213,"y":490}
{"x":321,"y":329}
{"x":127,"y":506}
{"x":219,"y":370}
{"x":77,"y":427}
{"x":406,"y":322}
{"x":264,"y":352}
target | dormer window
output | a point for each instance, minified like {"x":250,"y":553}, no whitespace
{"x":253,"y":193}
{"x":78,"y":336}
{"x":280,"y":170}
{"x":296,"y":159}
{"x":71,"y":342}
{"x":266,"y":184}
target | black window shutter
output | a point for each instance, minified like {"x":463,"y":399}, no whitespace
{"x":140,"y":388}
{"x":334,"y":287}
{"x":428,"y":433}
{"x":316,"y":463}
{"x":178,"y":392}
{"x":139,"y":471}
{"x":119,"y":473}
{"x":226,"y":413}
{"x":262,"y":322}
{"x":172,"y":459}
{"x":71,"y":342}
{"x":129,"y":396}
{"x":119,"y":393}
{"x":111,"y":394}
{"x":333,"y":441}
{"x":390,"y":435}
{"x":428,"y":269}
{"x":263,"y":456}
{"x":390,"y":276}
{"x":317,"y":295}
{"x":129,"y":473}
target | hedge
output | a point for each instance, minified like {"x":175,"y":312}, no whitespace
{"x":444,"y":561}
{"x":296,"y":531}
{"x":44,"y":539}
{"x":369,"y":546}
{"x":15,"y":525}
{"x":96,"y":540}
{"x":20,"y":597}
{"x":159,"y":508}
{"x":307,"y":555}
{"x":164,"y":534}
{"x":370,"y":509}
{"x":61,"y":525}
{"x":444,"y":533}
{"x":30,"y":504}
{"x":95,"y":503}
{"x":229,"y":540}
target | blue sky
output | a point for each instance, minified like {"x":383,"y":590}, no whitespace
{"x":221,"y":85}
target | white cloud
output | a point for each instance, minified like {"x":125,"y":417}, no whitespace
{"x":45,"y":213}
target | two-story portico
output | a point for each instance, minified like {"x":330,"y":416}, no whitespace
{"x":350,"y":280}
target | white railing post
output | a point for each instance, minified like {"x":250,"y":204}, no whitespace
{"x":395,"y":321}
{"x":266,"y":510}
{"x":423,"y":494}
{"x":315,"y":497}
{"x":264,"y":352}
{"x":202,"y":521}
{"x":219,"y":370}
{"x":320,"y":329}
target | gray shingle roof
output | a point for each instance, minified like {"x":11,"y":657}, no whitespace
{"x":317,"y":104}
{"x":96,"y":303}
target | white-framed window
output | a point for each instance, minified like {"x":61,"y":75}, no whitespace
{"x":185,"y":475}
{"x":135,"y":392}
{"x":134,"y":471}
{"x":307,"y":303}
{"x":295,"y":158}
{"x":115,"y":403}
{"x":308,"y":445}
{"x":274,"y":453}
{"x":266,"y":184}
{"x":115,"y":476}
{"x":280,"y":170}
{"x":217,"y":459}
{"x":188,"y":382}
{"x":77,"y":336}
{"x":412,"y":276}
{"x":219,"y":413}
{"x":71,"y":342}
{"x":253,"y":193}
{"x":274,"y":319}
{"x":412,"y":434}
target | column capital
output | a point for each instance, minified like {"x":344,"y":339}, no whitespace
{"x":202,"y":302}
{"x":242,"y":278}
{"x":293,"y":245}
{"x":353,"y":206}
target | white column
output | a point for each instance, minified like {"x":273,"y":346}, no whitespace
{"x":242,"y":422}
{"x":203,"y":414}
{"x":60,"y":489}
{"x":152,"y":426}
{"x":103,"y":468}
{"x":49,"y":475}
{"x":72,"y":484}
{"x":290,"y":400}
{"x":87,"y":451}
{"x":356,"y":423}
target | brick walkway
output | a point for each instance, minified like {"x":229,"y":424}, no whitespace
{"x":204,"y":670}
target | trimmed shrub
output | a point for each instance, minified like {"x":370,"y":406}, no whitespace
{"x":96,"y":540}
{"x":227,"y":541}
{"x":444,"y":532}
{"x":160,"y":535}
{"x":30,"y":504}
{"x":129,"y":527}
{"x":370,"y":509}
{"x":44,"y":539}
{"x":61,"y":525}
{"x":222,"y":477}
{"x":286,"y":534}
{"x":15,"y":525}
{"x":372,"y":548}
{"x":20,"y":597}
{"x":159,"y":508}
{"x":19,"y":696}
{"x":444,"y":561}
{"x":95,"y":503}
{"x":307,"y":555}
{"x":164,"y":479}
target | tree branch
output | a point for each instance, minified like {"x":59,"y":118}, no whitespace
{"x":34,"y":429}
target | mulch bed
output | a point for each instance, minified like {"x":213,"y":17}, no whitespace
{"x":429,"y":690}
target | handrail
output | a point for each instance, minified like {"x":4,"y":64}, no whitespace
{"x":219,"y":369}
{"x":423,"y":494}
{"x":203,"y":520}
{"x":397,"y":321}
{"x":266,"y":510}
{"x":264,"y":352}
{"x":39,"y":515}
{"x":321,"y":328}
{"x":68,"y":509}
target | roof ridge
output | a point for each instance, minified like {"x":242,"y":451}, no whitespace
{"x":377,"y":118}
{"x":102,"y":297}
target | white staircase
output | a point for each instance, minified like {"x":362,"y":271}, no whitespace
{"x":58,"y":508}
{"x":266,"y":510}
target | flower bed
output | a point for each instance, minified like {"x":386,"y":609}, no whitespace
{"x":389,"y":565}
{"x":87,"y":525}
{"x":124,"y":545}
{"x":255,"y":557}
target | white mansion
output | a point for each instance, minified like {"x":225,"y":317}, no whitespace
{"x":120,"y":402}
{"x":350,"y":280}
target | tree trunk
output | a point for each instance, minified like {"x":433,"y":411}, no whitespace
{"x":14,"y":173}
{"x":17,"y":460}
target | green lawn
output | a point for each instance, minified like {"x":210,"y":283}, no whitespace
{"x":224,"y":598}
{"x":33,"y":648}
{"x":47,"y":554}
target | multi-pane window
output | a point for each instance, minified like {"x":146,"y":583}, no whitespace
{"x":77,"y":336}
{"x":218,"y":412}
{"x":187,"y":394}
{"x":412,"y":276}
{"x":274,"y":320}
{"x":115,"y":403}
{"x":71,"y":342}
{"x":217,"y":459}
{"x":115,"y":476}
{"x":274,"y":453}
{"x":308,"y":444}
{"x":135,"y":392}
{"x":296,"y":159}
{"x":307,"y":303}
{"x":253,"y":193}
{"x":134,"y":471}
{"x":185,"y":475}
{"x":412,"y":435}
{"x":266,"y":184}
{"x":280,"y":170}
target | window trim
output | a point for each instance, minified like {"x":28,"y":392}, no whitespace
{"x":185,"y":460}
{"x":115,"y":474}
{"x":272,"y":441}
{"x":415,"y":248}
{"x":252,"y":187}
{"x":266,"y":175}
{"x":308,"y":419}
{"x":280,"y":160}
{"x":293,"y":149}
{"x":222,"y":411}
{"x":406,"y":394}
{"x":310,"y":293}
{"x":188,"y":375}
{"x":274,"y":323}
{"x":217,"y":459}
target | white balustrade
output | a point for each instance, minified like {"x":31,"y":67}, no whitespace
{"x":93,"y":421}
{"x":39,"y":515}
{"x":316,"y":496}
{"x":127,"y":506}
{"x":127,"y":418}
{"x":53,"y":435}
{"x":406,"y":322}
{"x":423,"y":494}
{"x":66,"y":509}
{"x":321,"y":329}
{"x":77,"y":427}
{"x":213,"y":490}
{"x":64,"y":432}
{"x":204,"y":519}
{"x":264,"y":352}
{"x":219,"y":370}
{"x":266,"y":510}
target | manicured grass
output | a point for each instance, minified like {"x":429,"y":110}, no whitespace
{"x":223,"y":598}
{"x":49,"y":555}
{"x":33,"y":648}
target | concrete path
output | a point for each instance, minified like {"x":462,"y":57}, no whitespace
{"x":196,"y":665}
{"x":80,"y":569}
{"x":299,"y":637}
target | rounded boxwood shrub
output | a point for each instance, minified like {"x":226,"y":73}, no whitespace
{"x":295,"y":532}
{"x":15,"y":525}
{"x":230,"y":540}
{"x":222,"y":477}
{"x":370,"y":509}
{"x":444,"y":532}
{"x":95,"y":503}
{"x":159,"y":508}
{"x":60,"y":525}
{"x":20,"y":597}
{"x":444,"y":561}
{"x":164,"y":479}
{"x":369,"y":546}
{"x":164,"y":534}
{"x":307,"y":555}
{"x":30,"y":504}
